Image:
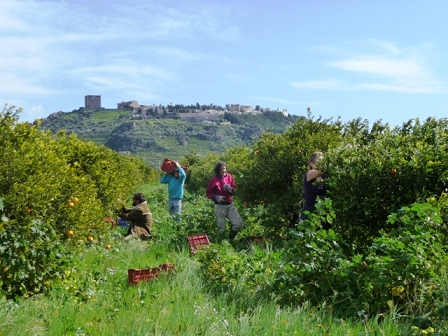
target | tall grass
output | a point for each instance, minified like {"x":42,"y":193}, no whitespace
{"x":95,"y":298}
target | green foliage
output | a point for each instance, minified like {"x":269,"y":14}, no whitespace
{"x":272,"y":121}
{"x":410,"y":253}
{"x":377,"y":245}
{"x":63,"y":184}
{"x":29,"y":263}
{"x":200,"y":173}
{"x":371,"y":176}
{"x":387,"y":204}
{"x":154,"y":138}
{"x":273,"y":171}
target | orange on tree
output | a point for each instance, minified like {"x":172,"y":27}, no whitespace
{"x":108,"y":247}
{"x":75,"y":200}
{"x":70,"y":204}
{"x":90,"y":239}
{"x":28,"y":210}
{"x":393,"y":171}
{"x":69,"y":233}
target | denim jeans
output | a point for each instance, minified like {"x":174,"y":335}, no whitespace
{"x":175,"y":206}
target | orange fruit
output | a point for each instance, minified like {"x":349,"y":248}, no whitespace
{"x":75,"y":200}
{"x":28,"y":210}
{"x":393,"y":171}
{"x":71,"y":204}
{"x":107,"y":247}
{"x":69,"y":233}
{"x":90,"y":239}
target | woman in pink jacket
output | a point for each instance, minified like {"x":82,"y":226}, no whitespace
{"x":220,"y":189}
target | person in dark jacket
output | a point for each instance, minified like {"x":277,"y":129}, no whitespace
{"x":221,"y":189}
{"x":140,"y":218}
{"x":313,"y":187}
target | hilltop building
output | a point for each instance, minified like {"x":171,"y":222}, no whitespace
{"x":190,"y":113}
{"x":92,"y":102}
{"x":127,"y":104}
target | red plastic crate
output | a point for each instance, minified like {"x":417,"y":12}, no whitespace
{"x":168,"y":166}
{"x":136,"y":275}
{"x":198,"y":242}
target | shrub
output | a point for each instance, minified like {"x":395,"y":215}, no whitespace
{"x":51,"y":185}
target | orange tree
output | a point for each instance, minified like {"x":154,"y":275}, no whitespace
{"x":52,"y":185}
{"x":377,"y":173}
{"x":273,"y":171}
{"x":269,"y":173}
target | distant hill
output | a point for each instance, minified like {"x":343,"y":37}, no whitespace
{"x":156,"y":136}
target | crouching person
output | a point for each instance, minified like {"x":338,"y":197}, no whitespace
{"x":220,"y":189}
{"x":140,"y":218}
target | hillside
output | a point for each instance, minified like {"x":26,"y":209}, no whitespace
{"x":169,"y":136}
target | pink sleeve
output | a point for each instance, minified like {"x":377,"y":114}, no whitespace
{"x":210,"y":187}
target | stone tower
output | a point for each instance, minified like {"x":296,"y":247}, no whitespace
{"x":93,"y":102}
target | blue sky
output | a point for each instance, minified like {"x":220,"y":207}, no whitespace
{"x":369,"y":59}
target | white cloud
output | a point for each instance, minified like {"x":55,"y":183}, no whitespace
{"x":396,"y":88}
{"x":381,"y":66}
{"x":377,"y":65}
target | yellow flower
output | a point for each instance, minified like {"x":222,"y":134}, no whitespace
{"x":396,"y":291}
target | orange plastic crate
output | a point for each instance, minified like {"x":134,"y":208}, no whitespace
{"x":168,"y":166}
{"x":135,"y":275}
{"x":198,"y":242}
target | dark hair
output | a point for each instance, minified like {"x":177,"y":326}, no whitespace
{"x":218,"y":167}
{"x":139,"y":197}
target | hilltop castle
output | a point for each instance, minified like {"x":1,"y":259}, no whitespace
{"x":190,"y":113}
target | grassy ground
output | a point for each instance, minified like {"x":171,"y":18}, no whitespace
{"x":95,"y":298}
